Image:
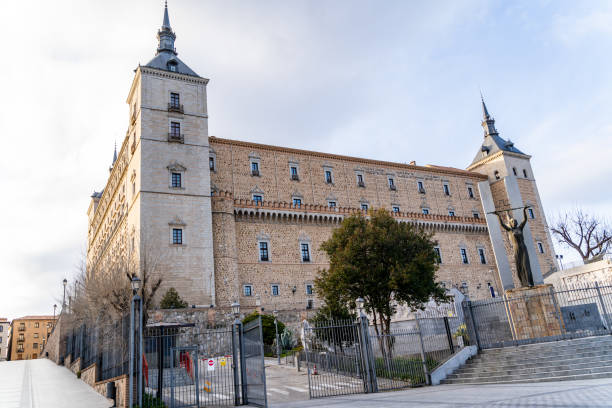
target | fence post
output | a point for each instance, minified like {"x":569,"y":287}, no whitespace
{"x":305,"y":324}
{"x":603,"y":307}
{"x":367,"y":355}
{"x":140,"y":355}
{"x":235,"y":364}
{"x":449,"y":336}
{"x":243,"y":375}
{"x":131,"y":364}
{"x":474,"y":326}
{"x":423,"y":357}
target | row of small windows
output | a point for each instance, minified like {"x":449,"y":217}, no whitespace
{"x":514,"y":171}
{"x":464,"y":255}
{"x":247,"y":290}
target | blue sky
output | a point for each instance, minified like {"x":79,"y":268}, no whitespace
{"x":393,"y":80}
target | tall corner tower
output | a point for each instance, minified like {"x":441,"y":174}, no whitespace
{"x":511,"y":185}
{"x":169,"y":175}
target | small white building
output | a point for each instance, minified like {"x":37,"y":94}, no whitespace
{"x":600,"y":271}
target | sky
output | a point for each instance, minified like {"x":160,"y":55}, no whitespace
{"x":392,"y":80}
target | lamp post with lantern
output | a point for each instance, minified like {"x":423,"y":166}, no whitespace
{"x":136,"y":304}
{"x":64,"y":282}
{"x":237,"y":344}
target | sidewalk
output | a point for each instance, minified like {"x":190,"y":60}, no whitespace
{"x":562,"y":394}
{"x":43,"y":384}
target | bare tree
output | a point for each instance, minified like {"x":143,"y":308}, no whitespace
{"x":590,"y":236}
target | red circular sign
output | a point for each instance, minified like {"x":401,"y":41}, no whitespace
{"x":211,"y":362}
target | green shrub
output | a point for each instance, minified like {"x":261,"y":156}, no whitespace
{"x":267,"y":326}
{"x":172,"y":300}
{"x":149,"y":401}
{"x":405,"y":369}
{"x":78,"y":374}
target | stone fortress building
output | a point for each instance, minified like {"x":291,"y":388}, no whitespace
{"x":230,"y":220}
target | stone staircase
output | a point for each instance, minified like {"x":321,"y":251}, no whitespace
{"x":577,"y":359}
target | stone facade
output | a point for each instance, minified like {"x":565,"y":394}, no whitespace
{"x":534,"y":312}
{"x":202,"y":206}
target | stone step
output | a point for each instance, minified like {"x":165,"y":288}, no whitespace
{"x":531,"y":380}
{"x":590,"y":356}
{"x":539,"y":367}
{"x":607,"y":339}
{"x":530,"y":372}
{"x":600,"y":351}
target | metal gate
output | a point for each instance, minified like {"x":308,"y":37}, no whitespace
{"x":184,"y":381}
{"x":253,"y":370}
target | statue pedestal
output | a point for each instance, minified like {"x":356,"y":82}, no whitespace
{"x":533,"y":312}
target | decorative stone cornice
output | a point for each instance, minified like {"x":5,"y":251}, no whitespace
{"x":495,"y":156}
{"x":287,"y":212}
{"x":356,"y":160}
{"x":172,"y":75}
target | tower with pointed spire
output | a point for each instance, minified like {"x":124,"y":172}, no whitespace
{"x":160,"y":177}
{"x":511,"y":185}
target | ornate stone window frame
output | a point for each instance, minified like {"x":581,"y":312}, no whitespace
{"x":176,"y":167}
{"x":263,"y":237}
{"x":330,"y":168}
{"x":254,"y":158}
{"x":305,"y":239}
{"x":177,"y":223}
{"x":278,"y":286}
{"x":251,"y":291}
{"x":296,"y":164}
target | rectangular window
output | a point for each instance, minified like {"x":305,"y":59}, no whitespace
{"x":37,"y":325}
{"x":294,"y":173}
{"x":391,"y":183}
{"x":35,"y":335}
{"x":263,"y":251}
{"x":483,"y":259}
{"x":476,"y":215}
{"x":364,"y":207}
{"x":258,"y":199}
{"x":360,"y":182}
{"x":34,"y":346}
{"x":297,"y":202}
{"x":211,"y":163}
{"x":446,"y":189}
{"x":438,"y":255}
{"x":254,"y":168}
{"x":421,"y":187}
{"x":175,"y":129}
{"x":274,"y":290}
{"x":464,"y":257}
{"x":425,"y":211}
{"x":470,"y":192}
{"x":396,"y":209}
{"x":451,"y":213}
{"x":531,"y":213}
{"x":174,"y":100}
{"x":309,"y":289}
{"x":309,"y":304}
{"x":525,"y":173}
{"x":332,"y":204}
{"x":540,"y":247}
{"x":305,"y":248}
{"x":248,"y":290}
{"x":176,"y":180}
{"x":328,"y":177}
{"x":177,"y":236}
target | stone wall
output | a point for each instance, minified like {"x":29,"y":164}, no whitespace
{"x":53,"y":347}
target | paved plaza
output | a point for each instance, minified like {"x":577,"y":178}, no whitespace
{"x":563,"y":394}
{"x":43,"y":384}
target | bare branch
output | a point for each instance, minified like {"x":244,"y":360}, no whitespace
{"x":590,"y":236}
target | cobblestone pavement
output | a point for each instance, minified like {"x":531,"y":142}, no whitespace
{"x":563,"y":394}
{"x":42,"y":384}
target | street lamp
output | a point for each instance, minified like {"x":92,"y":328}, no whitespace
{"x":236,"y":312}
{"x":65,"y":282}
{"x":237,"y":345}
{"x":278,"y":353}
{"x":54,"y":307}
{"x":136,"y":305}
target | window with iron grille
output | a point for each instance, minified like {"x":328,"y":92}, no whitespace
{"x":305,"y":252}
{"x":364,"y":207}
{"x":211,"y":163}
{"x":451,"y":213}
{"x":481,"y":253}
{"x":248,"y":290}
{"x":258,"y":199}
{"x":254,"y":167}
{"x":176,"y":180}
{"x":309,"y":289}
{"x":263,"y":251}
{"x":476,"y":215}
{"x":294,"y":173}
{"x":328,"y":177}
{"x":174,"y":100}
{"x":391,"y":183}
{"x":177,"y":236}
{"x":396,"y":209}
{"x":274,"y":290}
{"x":421,"y":187}
{"x":425,"y":211}
{"x":175,"y":129}
{"x":360,"y":180}
{"x":297,"y":202}
{"x":464,"y":257}
{"x":470,"y":192}
{"x":332,"y":204}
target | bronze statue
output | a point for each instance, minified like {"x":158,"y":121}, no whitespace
{"x":521,"y":257}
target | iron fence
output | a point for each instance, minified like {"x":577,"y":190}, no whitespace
{"x":557,"y":314}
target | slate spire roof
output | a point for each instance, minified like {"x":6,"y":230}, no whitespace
{"x":492,"y":142}
{"x":166,"y":56}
